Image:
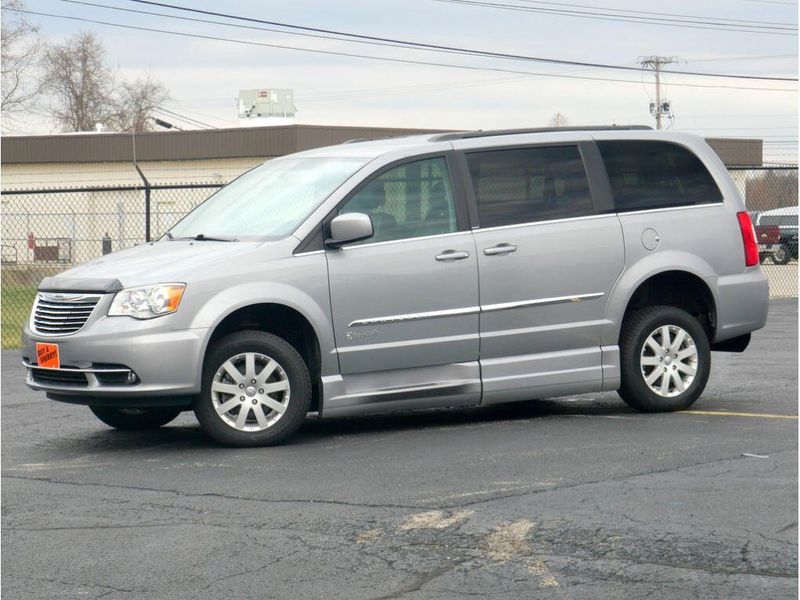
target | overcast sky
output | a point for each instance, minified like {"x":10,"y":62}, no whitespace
{"x":204,"y":76}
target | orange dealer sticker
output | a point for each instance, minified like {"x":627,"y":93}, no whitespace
{"x":47,"y":355}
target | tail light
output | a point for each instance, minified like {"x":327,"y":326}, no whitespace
{"x":748,"y":239}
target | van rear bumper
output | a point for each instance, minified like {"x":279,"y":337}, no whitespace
{"x":742,"y":303}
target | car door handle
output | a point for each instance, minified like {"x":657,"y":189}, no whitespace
{"x":500,"y":249}
{"x":453,"y":255}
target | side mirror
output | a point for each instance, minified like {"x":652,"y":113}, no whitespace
{"x":349,"y":227}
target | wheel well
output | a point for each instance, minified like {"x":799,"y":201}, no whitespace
{"x":286,"y":323}
{"x":681,"y":290}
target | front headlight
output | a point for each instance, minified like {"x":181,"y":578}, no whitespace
{"x":147,"y":302}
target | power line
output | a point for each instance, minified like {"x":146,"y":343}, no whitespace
{"x":647,"y":12}
{"x":735,"y":128}
{"x":384,"y":58}
{"x":189,"y":120}
{"x":235,"y":25}
{"x":204,"y":115}
{"x":425,"y":87}
{"x":730,"y":58}
{"x":484,"y":53}
{"x":295,"y":33}
{"x":772,"y":2}
{"x":342,"y":94}
{"x":740,"y":27}
{"x":270,"y":29}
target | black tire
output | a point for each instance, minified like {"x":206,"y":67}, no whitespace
{"x":782,"y":255}
{"x":135,"y":419}
{"x":636,"y":329}
{"x":292,"y":365}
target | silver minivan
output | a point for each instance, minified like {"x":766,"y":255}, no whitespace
{"x":440,"y":270}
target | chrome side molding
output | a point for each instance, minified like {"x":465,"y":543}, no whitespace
{"x":540,"y":302}
{"x":472,"y":310}
{"x":434,"y":314}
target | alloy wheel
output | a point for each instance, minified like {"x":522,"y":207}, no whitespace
{"x":669,"y":360}
{"x":250,"y":392}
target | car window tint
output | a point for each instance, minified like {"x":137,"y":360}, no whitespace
{"x":779,"y":220}
{"x":411,"y":200}
{"x":524,"y":185}
{"x":645,"y":175}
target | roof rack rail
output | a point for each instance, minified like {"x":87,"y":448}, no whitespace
{"x":381,"y":137}
{"x":463,"y":135}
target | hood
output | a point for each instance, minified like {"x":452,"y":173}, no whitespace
{"x":162,"y":262}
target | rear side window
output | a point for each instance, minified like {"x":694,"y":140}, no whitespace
{"x":529,"y":184}
{"x":646,"y":175}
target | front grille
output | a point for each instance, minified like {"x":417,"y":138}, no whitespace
{"x":62,"y":314}
{"x":59,"y":377}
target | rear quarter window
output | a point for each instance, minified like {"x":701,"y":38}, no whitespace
{"x":646,"y":175}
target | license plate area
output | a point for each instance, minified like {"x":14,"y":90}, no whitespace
{"x":47,"y":355}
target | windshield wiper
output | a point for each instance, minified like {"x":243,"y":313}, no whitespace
{"x":201,"y":237}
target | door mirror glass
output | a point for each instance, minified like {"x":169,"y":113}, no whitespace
{"x":349,"y":227}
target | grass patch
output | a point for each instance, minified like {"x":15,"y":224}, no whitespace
{"x":17,"y":301}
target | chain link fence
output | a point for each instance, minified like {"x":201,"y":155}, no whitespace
{"x":50,"y":230}
{"x":770,"y":195}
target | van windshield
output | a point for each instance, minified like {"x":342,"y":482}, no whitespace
{"x":268,"y":202}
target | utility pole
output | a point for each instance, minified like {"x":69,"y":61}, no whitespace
{"x":660,"y":107}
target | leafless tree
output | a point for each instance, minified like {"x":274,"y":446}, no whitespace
{"x":79,"y":81}
{"x":559,"y":120}
{"x":135,"y":102}
{"x":19,"y":53}
{"x":86,"y":92}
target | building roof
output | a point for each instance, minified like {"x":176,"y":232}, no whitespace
{"x":242,"y":142}
{"x":236,"y":142}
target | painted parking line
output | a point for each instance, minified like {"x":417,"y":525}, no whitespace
{"x":713,"y":413}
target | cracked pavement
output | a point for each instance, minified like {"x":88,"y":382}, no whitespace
{"x":564,"y":498}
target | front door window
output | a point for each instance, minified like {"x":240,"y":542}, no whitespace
{"x":412,"y":200}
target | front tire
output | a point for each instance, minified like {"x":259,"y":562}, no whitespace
{"x":782,"y":255}
{"x":665,"y":359}
{"x":256,"y":390}
{"x":135,"y":419}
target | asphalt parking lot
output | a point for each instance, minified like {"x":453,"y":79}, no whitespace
{"x":565,"y":498}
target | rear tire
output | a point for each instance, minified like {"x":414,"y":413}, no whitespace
{"x":665,"y":359}
{"x":135,"y":419}
{"x":256,"y":390}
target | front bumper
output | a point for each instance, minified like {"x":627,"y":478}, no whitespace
{"x":94,"y":361}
